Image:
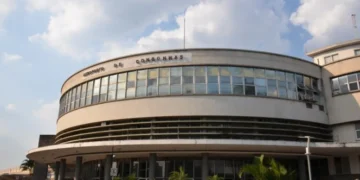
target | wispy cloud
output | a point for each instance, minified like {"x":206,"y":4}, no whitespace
{"x":9,"y":58}
{"x":10,"y":107}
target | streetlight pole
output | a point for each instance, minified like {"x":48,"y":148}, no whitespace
{"x":307,"y":153}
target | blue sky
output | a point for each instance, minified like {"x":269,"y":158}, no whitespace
{"x":42,"y":42}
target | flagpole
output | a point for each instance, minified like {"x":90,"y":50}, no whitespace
{"x":184,"y":30}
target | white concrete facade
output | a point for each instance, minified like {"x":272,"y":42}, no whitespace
{"x":330,"y":119}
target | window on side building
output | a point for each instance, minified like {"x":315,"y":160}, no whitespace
{"x":357,"y":52}
{"x":357,"y":129}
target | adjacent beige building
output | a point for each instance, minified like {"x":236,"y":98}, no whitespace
{"x":209,"y":111}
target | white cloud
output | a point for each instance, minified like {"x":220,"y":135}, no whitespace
{"x":47,"y":111}
{"x":327,"y":21}
{"x":10,"y":107}
{"x":6,"y":6}
{"x":8,"y":58}
{"x":257,"y":25}
{"x":75,"y":27}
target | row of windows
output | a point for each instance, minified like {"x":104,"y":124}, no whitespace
{"x":190,"y":80}
{"x":335,"y":57}
{"x":346,"y":83}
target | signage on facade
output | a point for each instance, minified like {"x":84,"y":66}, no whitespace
{"x":94,"y":71}
{"x":159,"y":59}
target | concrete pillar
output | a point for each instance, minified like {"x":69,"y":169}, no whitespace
{"x":40,"y":171}
{"x":354,"y":164}
{"x":107,"y":169}
{"x":152,"y":166}
{"x":204,"y":167}
{"x":302,"y":169}
{"x":78,"y":167}
{"x":57,"y":167}
{"x":62,"y":171}
{"x":331,"y":166}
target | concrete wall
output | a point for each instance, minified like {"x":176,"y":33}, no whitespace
{"x":192,"y":106}
{"x":202,"y":57}
{"x":344,"y":133}
{"x":346,"y":107}
{"x":344,"y":52}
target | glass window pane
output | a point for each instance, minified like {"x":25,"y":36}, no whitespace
{"x":164,"y":72}
{"x":357,"y":52}
{"x":261,"y":90}
{"x":236,"y":71}
{"x":335,"y":84}
{"x":175,"y":71}
{"x":152,"y":82}
{"x":200,"y":71}
{"x":238,"y":89}
{"x":271,"y":83}
{"x":328,"y":59}
{"x":224,"y":71}
{"x":292,"y":94}
{"x":225,"y":89}
{"x":131,"y":76}
{"x":237,"y":80}
{"x":353,"y":86}
{"x":343,"y":80}
{"x":152,"y":91}
{"x":270,"y":74}
{"x":250,"y":90}
{"x":141,"y":91}
{"x":212,"y":71}
{"x":188,"y":88}
{"x":282,"y":84}
{"x":175,"y":89}
{"x":352,"y":77}
{"x":259,"y":72}
{"x":282,"y":92}
{"x":200,"y":88}
{"x":225,"y":79}
{"x":272,"y":91}
{"x":200,"y":79}
{"x":290,"y":77}
{"x":96,"y":91}
{"x":212,"y":79}
{"x":280,"y":75}
{"x":188,"y":71}
{"x":83,"y":94}
{"x":307,"y":82}
{"x":111,"y":95}
{"x":299,"y":80}
{"x":104,"y":89}
{"x":122,"y":77}
{"x":89,"y":92}
{"x":335,"y":57}
{"x":141,"y":83}
{"x":164,"y":90}
{"x":213,"y":89}
{"x":164,"y":80}
{"x":249,"y":72}
{"x":249,"y":81}
{"x":260,"y":82}
{"x":142,"y":74}
{"x":314,"y":83}
{"x":153,"y":73}
{"x":130,"y":93}
{"x":188,"y":79}
{"x":175,"y":80}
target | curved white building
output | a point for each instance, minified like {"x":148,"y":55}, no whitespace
{"x":209,"y":111}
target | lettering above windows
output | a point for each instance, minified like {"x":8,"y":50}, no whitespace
{"x":160,"y":59}
{"x":94,"y":71}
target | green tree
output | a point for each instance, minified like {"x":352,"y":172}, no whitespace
{"x":267,"y":169}
{"x":215,"y":177}
{"x":132,"y":176}
{"x":27,"y":165}
{"x":178,"y":175}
